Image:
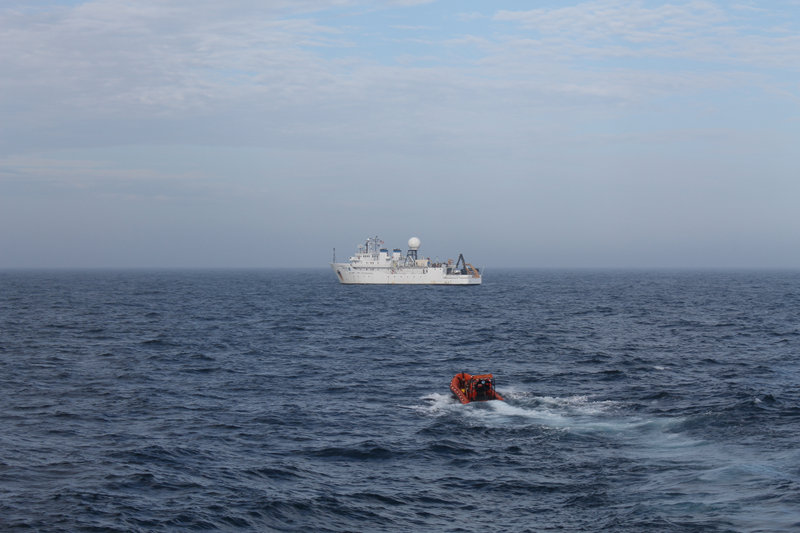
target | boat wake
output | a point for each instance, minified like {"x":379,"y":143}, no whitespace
{"x":576,"y":415}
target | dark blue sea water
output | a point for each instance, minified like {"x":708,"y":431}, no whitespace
{"x":283,"y":401}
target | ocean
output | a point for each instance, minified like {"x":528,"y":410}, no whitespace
{"x":280,"y":400}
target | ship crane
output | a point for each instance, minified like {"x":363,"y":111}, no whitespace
{"x":466,"y":268}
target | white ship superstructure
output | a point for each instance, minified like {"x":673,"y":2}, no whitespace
{"x":374,"y":264}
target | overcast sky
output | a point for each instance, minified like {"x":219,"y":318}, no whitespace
{"x":606,"y":133}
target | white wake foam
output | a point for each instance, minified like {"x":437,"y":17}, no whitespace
{"x":575,"y":414}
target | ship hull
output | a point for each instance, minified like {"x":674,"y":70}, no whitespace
{"x":349,"y":275}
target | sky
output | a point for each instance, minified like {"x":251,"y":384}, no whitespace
{"x":570,"y":134}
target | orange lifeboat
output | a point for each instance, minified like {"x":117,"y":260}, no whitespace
{"x":468,"y":388}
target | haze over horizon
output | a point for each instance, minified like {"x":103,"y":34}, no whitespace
{"x":579,"y":134}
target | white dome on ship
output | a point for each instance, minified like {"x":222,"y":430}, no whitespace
{"x":413,"y":243}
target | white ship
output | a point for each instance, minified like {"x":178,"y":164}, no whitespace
{"x":373,"y":264}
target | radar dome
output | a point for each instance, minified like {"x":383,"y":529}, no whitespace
{"x":413,"y":243}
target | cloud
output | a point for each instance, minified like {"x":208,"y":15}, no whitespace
{"x":573,"y":122}
{"x":285,"y":61}
{"x":610,"y":20}
{"x":698,"y":32}
{"x":108,"y":56}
